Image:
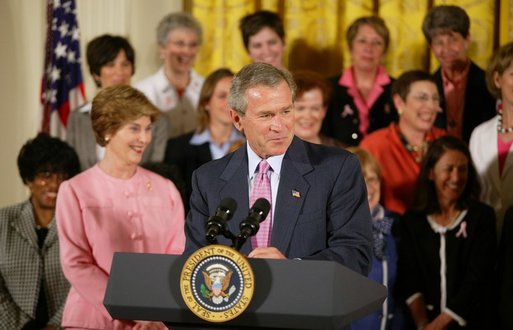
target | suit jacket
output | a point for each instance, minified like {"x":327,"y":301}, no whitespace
{"x":321,"y":209}
{"x":80,"y":135}
{"x":496,"y":190}
{"x":23,"y":265}
{"x":342,"y":118}
{"x":479,"y":103}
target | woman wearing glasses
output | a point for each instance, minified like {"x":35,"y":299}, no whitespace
{"x":174,"y":89}
{"x":400,"y":147}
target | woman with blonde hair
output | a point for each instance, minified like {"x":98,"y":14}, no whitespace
{"x":491,"y":143}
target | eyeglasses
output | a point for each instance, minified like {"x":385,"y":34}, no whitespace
{"x":183,"y":44}
{"x":43,"y":178}
{"x":426,"y":98}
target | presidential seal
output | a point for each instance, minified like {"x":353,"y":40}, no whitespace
{"x":217,"y":283}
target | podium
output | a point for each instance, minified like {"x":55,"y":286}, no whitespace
{"x":289,"y":294}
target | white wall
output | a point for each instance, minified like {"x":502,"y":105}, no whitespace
{"x":22,"y":38}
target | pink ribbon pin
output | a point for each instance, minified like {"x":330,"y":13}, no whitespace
{"x":462,"y":230}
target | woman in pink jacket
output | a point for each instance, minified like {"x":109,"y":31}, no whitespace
{"x":115,"y":206}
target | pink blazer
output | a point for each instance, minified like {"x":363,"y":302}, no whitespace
{"x":98,"y":215}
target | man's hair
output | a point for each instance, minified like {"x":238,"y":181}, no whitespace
{"x":175,"y":21}
{"x":104,"y":49}
{"x":252,"y":24}
{"x":115,"y":106}
{"x":46,"y":154}
{"x":257,"y":74}
{"x":445,"y":19}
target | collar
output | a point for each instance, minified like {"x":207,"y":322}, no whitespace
{"x":163,"y":85}
{"x":86,"y":108}
{"x":205,"y":137}
{"x":347,"y":78}
{"x":443,"y":229}
{"x":459,"y":79}
{"x":254,"y":160}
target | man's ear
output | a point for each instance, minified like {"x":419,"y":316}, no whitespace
{"x":237,"y":120}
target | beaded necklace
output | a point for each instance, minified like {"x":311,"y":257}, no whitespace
{"x":501,"y":129}
{"x":417,"y":151}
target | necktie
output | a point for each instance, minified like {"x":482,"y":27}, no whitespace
{"x":262,"y":189}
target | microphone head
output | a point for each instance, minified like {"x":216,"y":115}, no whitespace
{"x":229,"y":205}
{"x":262,"y":207}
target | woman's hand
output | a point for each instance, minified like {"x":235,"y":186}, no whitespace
{"x":149,"y":325}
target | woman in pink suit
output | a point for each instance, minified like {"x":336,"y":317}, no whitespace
{"x":115,"y":206}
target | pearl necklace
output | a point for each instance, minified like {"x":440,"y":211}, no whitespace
{"x":501,"y":129}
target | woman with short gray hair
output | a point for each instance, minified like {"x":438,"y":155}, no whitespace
{"x":174,"y":89}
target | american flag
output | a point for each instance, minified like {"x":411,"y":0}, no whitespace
{"x":62,"y":87}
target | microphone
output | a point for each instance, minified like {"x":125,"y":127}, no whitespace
{"x":216,"y":224}
{"x":249,"y":226}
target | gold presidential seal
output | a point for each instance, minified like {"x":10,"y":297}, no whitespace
{"x":217,"y":283}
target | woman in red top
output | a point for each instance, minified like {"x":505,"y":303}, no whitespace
{"x":399,"y":148}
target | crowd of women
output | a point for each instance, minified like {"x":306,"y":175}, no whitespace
{"x":435,"y":152}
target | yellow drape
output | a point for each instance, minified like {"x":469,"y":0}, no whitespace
{"x":315,"y":31}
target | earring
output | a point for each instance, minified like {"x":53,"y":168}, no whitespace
{"x":107,"y":139}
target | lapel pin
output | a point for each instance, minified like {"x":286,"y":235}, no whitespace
{"x":296,"y":193}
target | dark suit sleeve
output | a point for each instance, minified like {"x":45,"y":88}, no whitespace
{"x":196,"y":218}
{"x":349,"y":233}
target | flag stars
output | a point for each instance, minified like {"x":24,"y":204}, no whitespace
{"x":51,"y":96}
{"x":75,"y":35}
{"x":55,"y":74}
{"x":60,"y":50}
{"x":54,"y":24}
{"x":67,"y":7}
{"x":64,"y":29}
{"x":71,"y":57}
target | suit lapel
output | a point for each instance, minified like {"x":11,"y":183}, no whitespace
{"x":292,"y":192}
{"x":234,"y":183}
{"x":24,"y":225}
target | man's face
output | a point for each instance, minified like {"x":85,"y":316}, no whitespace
{"x":269,"y":119}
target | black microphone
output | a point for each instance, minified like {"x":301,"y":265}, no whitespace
{"x":216,"y":224}
{"x":249,"y":226}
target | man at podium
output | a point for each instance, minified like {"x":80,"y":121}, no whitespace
{"x":319,"y":206}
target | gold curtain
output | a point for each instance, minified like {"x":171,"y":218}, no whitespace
{"x":315,"y":31}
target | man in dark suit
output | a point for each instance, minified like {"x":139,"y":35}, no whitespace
{"x":319,"y":202}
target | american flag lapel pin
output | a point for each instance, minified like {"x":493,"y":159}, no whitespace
{"x":296,"y":193}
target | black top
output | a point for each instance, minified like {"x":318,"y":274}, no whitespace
{"x":187,"y":158}
{"x":470,"y":259}
{"x":344,"y":125}
{"x":479,"y":103}
{"x":506,"y":272}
